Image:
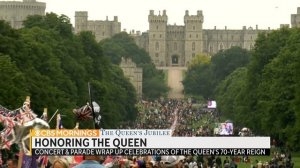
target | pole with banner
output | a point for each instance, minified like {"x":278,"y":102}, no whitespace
{"x":95,"y":109}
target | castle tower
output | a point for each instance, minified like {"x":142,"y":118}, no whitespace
{"x":193,"y":36}
{"x":157,"y":37}
{"x":15,"y":12}
{"x":81,"y":21}
{"x":295,"y":19}
{"x":116,"y":26}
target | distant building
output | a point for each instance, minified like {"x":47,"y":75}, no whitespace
{"x":177,"y":45}
{"x":101,"y":28}
{"x":134,"y":74}
{"x":15,"y":12}
{"x":174,"y":45}
{"x":295,"y":19}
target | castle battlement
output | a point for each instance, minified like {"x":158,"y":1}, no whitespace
{"x":295,"y":19}
{"x":193,"y":18}
{"x":15,"y":12}
{"x":101,"y":28}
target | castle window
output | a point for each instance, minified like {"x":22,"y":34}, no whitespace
{"x":190,"y":36}
{"x":156,"y":54}
{"x":156,"y":46}
{"x":193,"y":27}
{"x":193,"y":55}
{"x":221,"y":46}
{"x":160,"y":36}
{"x":153,"y":35}
{"x":210,"y":49}
{"x":175,"y":46}
{"x":156,"y":27}
{"x":197,"y":35}
{"x":251,"y":37}
{"x":193,"y":46}
{"x":251,"y":46}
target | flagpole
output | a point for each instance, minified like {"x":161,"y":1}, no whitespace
{"x":91,"y":104}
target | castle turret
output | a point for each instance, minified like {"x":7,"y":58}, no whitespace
{"x":116,"y":27}
{"x":295,"y":19}
{"x":81,"y":21}
{"x":157,"y":37}
{"x":193,"y":35}
{"x":15,"y":12}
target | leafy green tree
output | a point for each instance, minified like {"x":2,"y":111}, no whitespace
{"x":13,"y":82}
{"x":226,"y":61}
{"x":46,"y":61}
{"x":265,"y":95}
{"x":229,"y":95}
{"x":197,"y":80}
{"x":122,"y":45}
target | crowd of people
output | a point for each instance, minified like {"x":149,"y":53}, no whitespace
{"x":183,"y":118}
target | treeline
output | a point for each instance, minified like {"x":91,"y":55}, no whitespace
{"x":264,"y":94}
{"x":46,"y":61}
{"x":122,"y":45}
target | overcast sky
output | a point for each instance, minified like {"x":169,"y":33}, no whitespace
{"x":133,"y":14}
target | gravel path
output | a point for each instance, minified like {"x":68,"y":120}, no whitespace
{"x":175,"y":83}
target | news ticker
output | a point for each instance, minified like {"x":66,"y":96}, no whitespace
{"x":140,"y":142}
{"x":151,"y":151}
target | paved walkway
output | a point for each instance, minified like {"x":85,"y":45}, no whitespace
{"x":175,"y":82}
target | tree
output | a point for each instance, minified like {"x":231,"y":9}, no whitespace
{"x":198,"y":77}
{"x":13,"y":82}
{"x":226,"y":61}
{"x":46,"y":61}
{"x":122,"y":45}
{"x":229,"y":95}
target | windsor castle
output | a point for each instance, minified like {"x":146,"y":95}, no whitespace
{"x":168,"y":45}
{"x":175,"y":45}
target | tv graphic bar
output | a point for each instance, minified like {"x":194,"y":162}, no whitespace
{"x":141,"y":142}
{"x":151,"y":151}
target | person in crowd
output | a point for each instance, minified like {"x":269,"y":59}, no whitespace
{"x":90,"y":162}
{"x":60,"y":163}
{"x":226,"y":161}
{"x":219,"y":162}
{"x":12,"y":163}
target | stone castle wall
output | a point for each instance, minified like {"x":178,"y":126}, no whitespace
{"x":101,"y":28}
{"x":134,"y":73}
{"x":15,"y":12}
{"x":177,"y":45}
{"x":295,"y":19}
